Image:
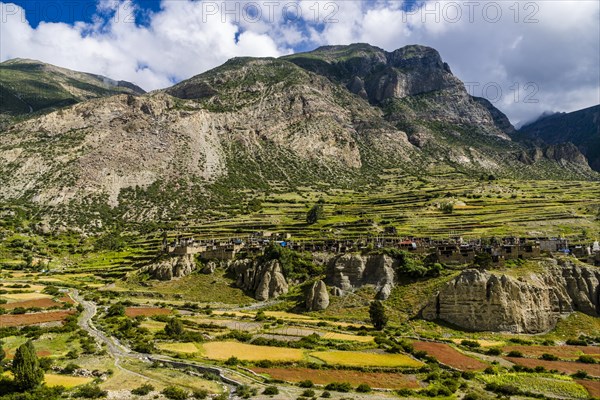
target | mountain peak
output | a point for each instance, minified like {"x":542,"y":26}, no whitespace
{"x":29,"y":86}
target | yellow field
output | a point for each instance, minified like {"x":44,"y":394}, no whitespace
{"x":249,"y":352}
{"x":482,"y":342}
{"x":356,"y":358}
{"x":344,"y":336}
{"x":65,"y":380}
{"x":188,"y":348}
{"x":32,"y":288}
{"x":25,"y":296}
{"x":153,"y":326}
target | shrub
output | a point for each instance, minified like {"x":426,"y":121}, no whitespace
{"x":200,"y":394}
{"x":308,"y":393}
{"x":363,"y":388}
{"x":271,"y":391}
{"x":470,"y":343}
{"x":494,"y":351}
{"x":580,"y":375}
{"x":143,"y":390}
{"x":90,"y":392}
{"x":515,"y":353}
{"x":306,"y":384}
{"x":325,"y":395}
{"x":549,"y":357}
{"x":246,"y":391}
{"x":343,"y":387}
{"x":576,"y":342}
{"x":232,"y":361}
{"x":587,"y":359}
{"x":174,"y":393}
{"x":504,"y":389}
{"x":70,"y":368}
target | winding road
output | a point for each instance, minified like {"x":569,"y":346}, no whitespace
{"x":118,"y":351}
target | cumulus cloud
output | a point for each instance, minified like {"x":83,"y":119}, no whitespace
{"x":177,"y":43}
{"x":538,"y":55}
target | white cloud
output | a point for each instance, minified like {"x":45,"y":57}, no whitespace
{"x":553,"y":44}
{"x":178,"y":42}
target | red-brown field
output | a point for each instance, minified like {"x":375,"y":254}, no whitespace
{"x":448,"y":355}
{"x":567,"y":367}
{"x":146,"y":311}
{"x":33,"y":319}
{"x":67,"y":299}
{"x":559,"y":351}
{"x":323,"y":377}
{"x":593,"y":387}
{"x":41,"y":303}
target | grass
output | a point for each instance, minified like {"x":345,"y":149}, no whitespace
{"x":249,"y":352}
{"x":65,"y":380}
{"x":358,"y":359}
{"x":187,"y":348}
{"x":25,"y":296}
{"x":196,"y":287}
{"x":546,"y":384}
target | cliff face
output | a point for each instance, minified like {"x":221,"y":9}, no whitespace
{"x":264,"y":280}
{"x":317,"y":297}
{"x":483,"y":301}
{"x":172,"y":268}
{"x":351,"y":271}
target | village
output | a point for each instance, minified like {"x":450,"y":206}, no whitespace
{"x":449,"y":251}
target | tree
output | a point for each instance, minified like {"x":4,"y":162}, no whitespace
{"x":2,"y":352}
{"x":377,"y":313}
{"x":116,"y":310}
{"x":174,"y":327}
{"x":315,"y":214}
{"x":26,"y":367}
{"x":483,"y":260}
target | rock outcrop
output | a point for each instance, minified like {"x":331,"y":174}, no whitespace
{"x":351,"y":271}
{"x":264,"y":280}
{"x":483,"y":301}
{"x":317,"y":297}
{"x":171,"y":268}
{"x":209,"y":268}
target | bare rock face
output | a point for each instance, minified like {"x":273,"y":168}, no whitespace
{"x":317,"y":297}
{"x":482,"y":301}
{"x":209,"y":268}
{"x":265,"y":280}
{"x":172,"y":268}
{"x":351,"y":271}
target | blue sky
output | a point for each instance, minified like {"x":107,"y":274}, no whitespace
{"x":539,"y":56}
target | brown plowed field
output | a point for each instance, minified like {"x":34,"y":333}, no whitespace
{"x":559,"y":351}
{"x":593,"y":387}
{"x":568,"y":367}
{"x":33,"y":319}
{"x":146,"y":311}
{"x":41,"y":303}
{"x":67,"y":299}
{"x":448,"y":355}
{"x":323,"y":377}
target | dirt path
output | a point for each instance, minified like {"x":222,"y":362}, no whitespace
{"x":119,"y":351}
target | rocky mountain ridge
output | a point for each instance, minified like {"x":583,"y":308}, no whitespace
{"x":30,"y":86}
{"x":580,"y":128}
{"x":263,"y":123}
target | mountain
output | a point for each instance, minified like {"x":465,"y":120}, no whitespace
{"x":581,"y":128}
{"x":29,"y":86}
{"x":339,"y":117}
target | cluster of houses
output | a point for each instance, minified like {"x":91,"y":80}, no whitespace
{"x":450,"y":251}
